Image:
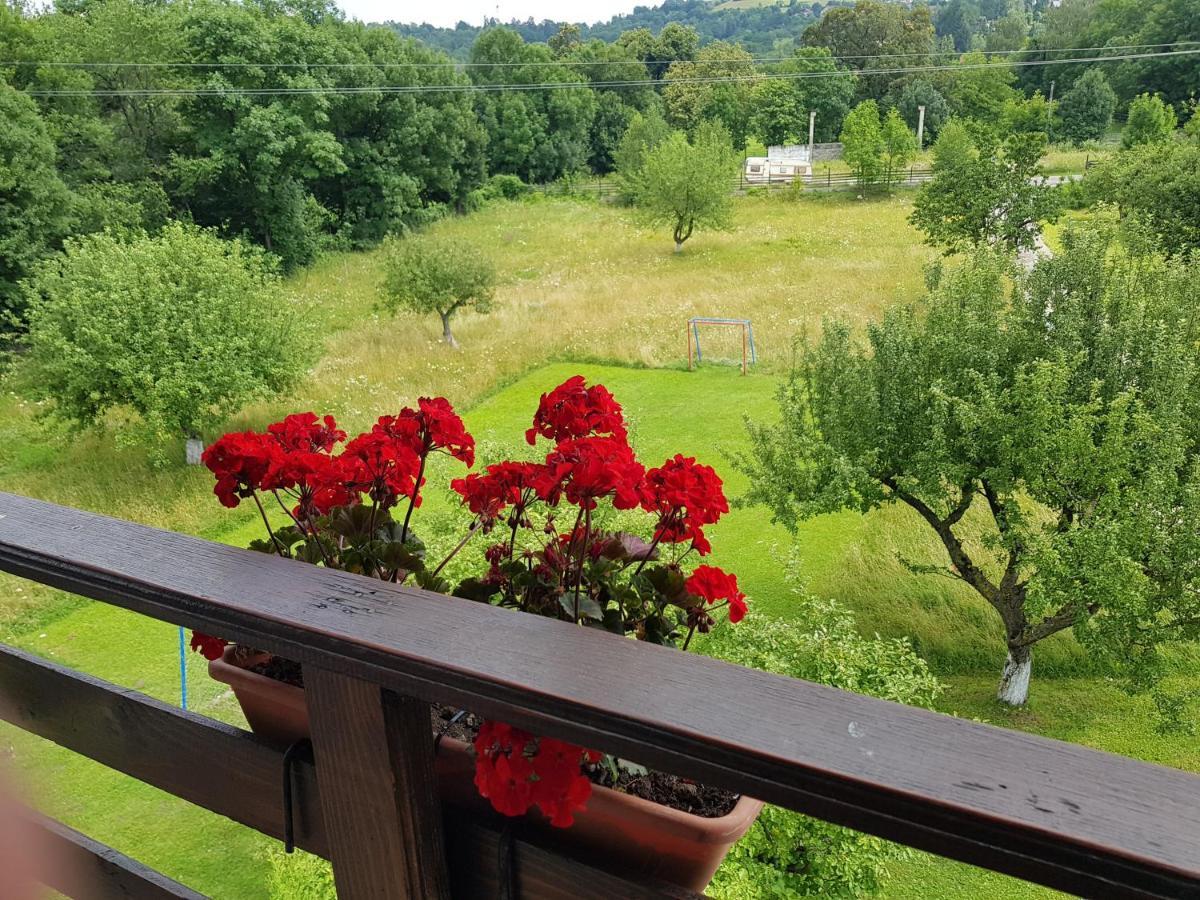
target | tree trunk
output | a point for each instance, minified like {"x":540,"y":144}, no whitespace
{"x":447,"y":336}
{"x":678,"y":246}
{"x":1014,"y":679}
{"x":193,"y":450}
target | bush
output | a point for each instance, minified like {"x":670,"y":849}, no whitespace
{"x":182,"y":328}
{"x":786,"y":854}
{"x":1151,"y":121}
{"x":505,"y":187}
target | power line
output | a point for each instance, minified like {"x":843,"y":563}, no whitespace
{"x":556,"y":63}
{"x":565,"y":85}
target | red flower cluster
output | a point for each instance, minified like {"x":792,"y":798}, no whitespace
{"x":714,"y":585}
{"x":304,"y":431}
{"x":240,"y":462}
{"x":574,"y":410}
{"x":686,"y":496}
{"x":208,"y":646}
{"x":433,"y":426}
{"x":515,"y":771}
{"x":588,"y":468}
{"x":503,"y":485}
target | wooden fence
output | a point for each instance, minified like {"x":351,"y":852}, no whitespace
{"x":375,"y":656}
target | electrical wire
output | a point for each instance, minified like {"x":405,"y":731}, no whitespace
{"x":568,"y":85}
{"x":554,"y":63}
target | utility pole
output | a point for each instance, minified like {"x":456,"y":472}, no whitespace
{"x":1050,"y":116}
{"x":812,"y":129}
{"x":920,"y":128}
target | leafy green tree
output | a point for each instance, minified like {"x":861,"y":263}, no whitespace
{"x":918,"y":93}
{"x":687,"y":184}
{"x":792,"y":855}
{"x":899,"y":146}
{"x":961,"y":21}
{"x":1156,"y":187}
{"x":1027,"y":115}
{"x":862,"y":142}
{"x":873,"y":36}
{"x":782,"y":105}
{"x":35,"y":205}
{"x":992,"y":195}
{"x":695,"y":95}
{"x":1055,"y":412}
{"x":181,"y":328}
{"x":429,"y":273}
{"x":1008,"y":34}
{"x":1150,"y":121}
{"x":1086,"y":110}
{"x":980,"y":86}
{"x":1192,"y":128}
{"x":645,"y":132}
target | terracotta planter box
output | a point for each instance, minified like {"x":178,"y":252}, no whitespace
{"x":642,"y":839}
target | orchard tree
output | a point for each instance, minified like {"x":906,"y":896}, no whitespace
{"x":1150,"y":121}
{"x":1056,"y":411}
{"x":687,"y":184}
{"x":1156,"y":188}
{"x":430,"y":273}
{"x":862,"y":142}
{"x":984,"y":194}
{"x":1086,"y":110}
{"x":181,"y":327}
{"x":899,"y":146}
{"x":645,"y":132}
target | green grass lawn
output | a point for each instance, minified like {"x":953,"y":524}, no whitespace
{"x":579,"y":283}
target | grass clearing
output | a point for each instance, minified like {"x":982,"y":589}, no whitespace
{"x":579,"y":283}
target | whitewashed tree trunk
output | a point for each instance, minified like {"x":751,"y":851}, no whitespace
{"x":1014,"y":679}
{"x":193,"y":449}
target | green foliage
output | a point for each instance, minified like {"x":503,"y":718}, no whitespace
{"x":863,"y":142}
{"x":980,"y":86}
{"x":695,"y":95}
{"x":505,"y":187}
{"x":1027,"y":115}
{"x":686,"y":184}
{"x":983,"y":194}
{"x":1086,"y":110}
{"x":34,"y":203}
{"x":786,"y":854}
{"x":873,"y":35}
{"x":781,"y":106}
{"x":1150,"y":121}
{"x":1055,"y":410}
{"x":645,"y":132}
{"x":920,"y":92}
{"x":1156,"y":186}
{"x":431,"y":273}
{"x":180,"y":328}
{"x":899,"y":146}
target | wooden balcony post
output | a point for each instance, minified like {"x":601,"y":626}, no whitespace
{"x":374,"y":757}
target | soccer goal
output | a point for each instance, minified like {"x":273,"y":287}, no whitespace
{"x":696,"y":354}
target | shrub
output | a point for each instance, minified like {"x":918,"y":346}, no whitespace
{"x":505,"y":187}
{"x":1151,"y":121}
{"x":787,"y":854}
{"x":182,"y":328}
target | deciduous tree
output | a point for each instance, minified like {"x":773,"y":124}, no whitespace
{"x":1054,"y":411}
{"x":181,"y":328}
{"x":862,"y":142}
{"x":1087,"y":108}
{"x":429,"y":273}
{"x":687,"y":184}
{"x":1150,"y":121}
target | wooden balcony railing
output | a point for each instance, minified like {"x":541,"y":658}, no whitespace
{"x":375,"y":655}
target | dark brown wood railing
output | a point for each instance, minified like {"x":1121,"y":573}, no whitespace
{"x":376,"y":654}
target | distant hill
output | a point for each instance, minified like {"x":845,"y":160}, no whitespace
{"x":762,"y":26}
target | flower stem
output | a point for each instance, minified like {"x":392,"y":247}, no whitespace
{"x":453,"y":553}
{"x":262,"y":512}
{"x":412,"y":500}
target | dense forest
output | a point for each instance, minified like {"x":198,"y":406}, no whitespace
{"x":286,"y":125}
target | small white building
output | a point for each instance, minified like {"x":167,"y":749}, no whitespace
{"x":780,"y":164}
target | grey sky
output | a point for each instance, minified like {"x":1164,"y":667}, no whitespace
{"x":450,"y":12}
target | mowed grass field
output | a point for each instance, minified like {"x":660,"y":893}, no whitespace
{"x":583,"y":291}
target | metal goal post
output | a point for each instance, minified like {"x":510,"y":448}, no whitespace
{"x":693,"y":339}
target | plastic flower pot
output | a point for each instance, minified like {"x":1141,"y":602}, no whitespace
{"x":637,"y":837}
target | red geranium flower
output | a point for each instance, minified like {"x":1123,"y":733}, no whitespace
{"x":714,"y":585}
{"x":315,"y":479}
{"x":500,"y":486}
{"x":433,"y":426}
{"x":586,"y":469}
{"x":382,"y":466}
{"x":240,"y":461}
{"x":515,"y":771}
{"x":686,"y":495}
{"x":208,"y":646}
{"x":304,"y":431}
{"x":574,"y":410}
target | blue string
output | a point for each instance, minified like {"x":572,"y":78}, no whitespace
{"x":182,"y":669}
